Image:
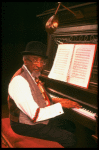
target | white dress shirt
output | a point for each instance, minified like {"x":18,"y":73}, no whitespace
{"x":19,"y":91}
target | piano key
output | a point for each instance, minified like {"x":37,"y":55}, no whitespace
{"x":85,"y":112}
{"x":53,"y":96}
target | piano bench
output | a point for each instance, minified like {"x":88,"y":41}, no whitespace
{"x":13,"y":140}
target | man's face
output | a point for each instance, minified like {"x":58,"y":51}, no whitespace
{"x":35,"y":63}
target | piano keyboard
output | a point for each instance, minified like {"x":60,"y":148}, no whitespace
{"x":85,"y":112}
{"x":82,"y":111}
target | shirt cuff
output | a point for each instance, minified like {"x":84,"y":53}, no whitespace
{"x":50,"y":112}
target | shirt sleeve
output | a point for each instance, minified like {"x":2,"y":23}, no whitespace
{"x":19,"y":91}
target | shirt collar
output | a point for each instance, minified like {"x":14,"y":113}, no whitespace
{"x":28,"y":72}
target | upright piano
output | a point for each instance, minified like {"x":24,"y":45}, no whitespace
{"x":80,"y":29}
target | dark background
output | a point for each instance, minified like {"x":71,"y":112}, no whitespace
{"x":20,"y":25}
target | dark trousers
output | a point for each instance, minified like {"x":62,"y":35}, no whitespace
{"x":56,"y":130}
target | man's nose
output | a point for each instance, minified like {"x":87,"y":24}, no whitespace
{"x":39,"y":64}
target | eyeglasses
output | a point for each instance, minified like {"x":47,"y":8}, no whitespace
{"x":36,"y":62}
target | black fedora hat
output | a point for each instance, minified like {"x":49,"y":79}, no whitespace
{"x":35,"y":48}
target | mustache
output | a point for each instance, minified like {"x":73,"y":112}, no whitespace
{"x":38,"y":68}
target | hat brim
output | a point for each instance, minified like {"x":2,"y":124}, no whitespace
{"x":31,"y":53}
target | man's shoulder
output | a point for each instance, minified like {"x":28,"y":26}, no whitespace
{"x":18,"y":72}
{"x":18,"y":80}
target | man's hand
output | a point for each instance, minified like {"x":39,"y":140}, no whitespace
{"x":66,"y":103}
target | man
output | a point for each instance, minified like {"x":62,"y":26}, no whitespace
{"x":32,"y":111}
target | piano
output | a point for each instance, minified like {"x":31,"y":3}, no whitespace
{"x":80,"y":29}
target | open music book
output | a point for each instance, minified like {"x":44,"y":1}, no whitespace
{"x":73,"y":63}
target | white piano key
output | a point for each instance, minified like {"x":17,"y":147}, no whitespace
{"x":85,"y":112}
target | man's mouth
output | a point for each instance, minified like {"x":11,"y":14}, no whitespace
{"x":37,"y":69}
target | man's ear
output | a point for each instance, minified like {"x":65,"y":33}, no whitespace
{"x":25,"y":61}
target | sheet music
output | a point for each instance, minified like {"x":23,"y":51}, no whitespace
{"x":73,"y":63}
{"x":62,"y":61}
{"x":81,"y":64}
